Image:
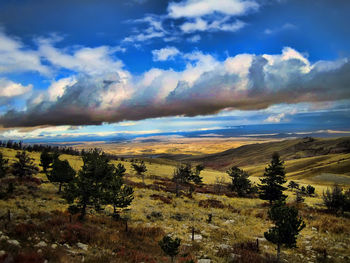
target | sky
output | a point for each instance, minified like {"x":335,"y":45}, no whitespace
{"x":80,"y":68}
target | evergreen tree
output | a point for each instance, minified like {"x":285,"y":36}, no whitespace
{"x":116,"y":192}
{"x":46,"y":160}
{"x":89,"y":187}
{"x":240,"y":182}
{"x":310,"y":190}
{"x":3,"y":166}
{"x":140,"y":169}
{"x":170,"y":246}
{"x":274,"y":177}
{"x":336,"y":200}
{"x":185,"y":174}
{"x":288,"y":224}
{"x":293,"y":185}
{"x":24,"y":166}
{"x":61,"y":172}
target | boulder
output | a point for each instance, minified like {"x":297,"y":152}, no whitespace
{"x":13,"y":242}
{"x":82,"y":246}
{"x":41,"y":244}
{"x":224,"y":246}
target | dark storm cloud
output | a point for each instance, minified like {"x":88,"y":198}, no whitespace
{"x":267,"y":80}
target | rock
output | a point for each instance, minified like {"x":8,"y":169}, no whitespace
{"x":4,"y":237}
{"x":213,"y":226}
{"x":224,"y":246}
{"x":204,"y":260}
{"x":313,"y":228}
{"x":308,"y":247}
{"x":39,"y":251}
{"x":231,"y":221}
{"x":234,"y":257}
{"x":2,"y":252}
{"x":196,"y":237}
{"x":13,"y":242}
{"x":41,"y":244}
{"x":82,"y":246}
{"x":54,"y":246}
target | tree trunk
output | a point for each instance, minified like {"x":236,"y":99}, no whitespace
{"x":83,"y":212}
{"x":278,"y":252}
{"x":192,"y":233}
{"x":177,"y":188}
{"x":60,"y":188}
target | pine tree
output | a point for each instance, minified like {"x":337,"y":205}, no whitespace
{"x":185,"y":174}
{"x":310,"y":190}
{"x":240,"y":182}
{"x":170,"y":246}
{"x":87,"y":187}
{"x":140,"y":169}
{"x":3,"y":166}
{"x":116,"y":192}
{"x":95,"y":184}
{"x":46,"y":160}
{"x":293,"y":185}
{"x":288,"y":224}
{"x":24,"y":166}
{"x":274,"y":177}
{"x":61,"y":172}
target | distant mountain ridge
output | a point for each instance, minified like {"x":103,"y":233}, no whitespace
{"x":261,"y":152}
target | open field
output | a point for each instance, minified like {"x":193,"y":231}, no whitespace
{"x":171,"y":145}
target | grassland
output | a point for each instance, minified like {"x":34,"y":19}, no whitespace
{"x":171,"y":145}
{"x":39,"y":214}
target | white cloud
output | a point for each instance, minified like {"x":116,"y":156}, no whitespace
{"x":164,"y":54}
{"x":197,"y":16}
{"x":15,"y":57}
{"x":57,"y":88}
{"x":154,"y":29}
{"x":285,"y":27}
{"x":276,"y":118}
{"x":10,"y":89}
{"x":206,"y":86}
{"x":194,"y":38}
{"x":198,"y":8}
{"x":198,"y":25}
{"x":82,"y":60}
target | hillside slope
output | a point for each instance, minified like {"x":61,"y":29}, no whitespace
{"x":260,"y":153}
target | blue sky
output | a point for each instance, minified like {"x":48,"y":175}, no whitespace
{"x":72,"y":68}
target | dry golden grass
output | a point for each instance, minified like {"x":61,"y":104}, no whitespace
{"x":237,"y":221}
{"x":171,"y":145}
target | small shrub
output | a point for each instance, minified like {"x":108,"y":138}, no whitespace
{"x":74,"y":233}
{"x":170,"y":246}
{"x":336,"y":200}
{"x":155,"y":215}
{"x":29,"y":257}
{"x":164,"y":199}
{"x":310,"y":190}
{"x":211,"y":203}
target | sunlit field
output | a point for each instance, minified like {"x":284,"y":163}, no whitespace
{"x":154,"y":213}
